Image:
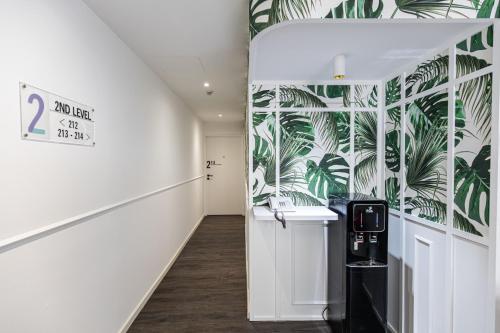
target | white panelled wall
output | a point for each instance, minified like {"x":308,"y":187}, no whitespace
{"x":86,"y":232}
{"x":441,"y":279}
{"x":446,"y":276}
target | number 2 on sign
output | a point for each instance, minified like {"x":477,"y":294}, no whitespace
{"x":38,"y":115}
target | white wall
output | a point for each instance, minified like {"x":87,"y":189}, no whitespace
{"x":91,"y":276}
{"x":224,"y":128}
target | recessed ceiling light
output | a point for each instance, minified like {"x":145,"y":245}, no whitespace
{"x":220,"y":115}
{"x":206,"y":84}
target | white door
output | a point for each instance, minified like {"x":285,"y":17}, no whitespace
{"x":224,"y":179}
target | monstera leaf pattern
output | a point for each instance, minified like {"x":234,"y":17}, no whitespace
{"x":330,"y":176}
{"x":314,"y":148}
{"x":393,"y":91}
{"x":472,"y":156}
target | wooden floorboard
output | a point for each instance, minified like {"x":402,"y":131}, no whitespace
{"x":205,"y":290}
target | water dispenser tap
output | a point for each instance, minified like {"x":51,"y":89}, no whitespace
{"x":358,"y":239}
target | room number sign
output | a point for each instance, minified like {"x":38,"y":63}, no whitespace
{"x":49,"y":117}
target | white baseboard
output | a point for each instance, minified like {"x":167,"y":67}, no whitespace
{"x":151,"y":290}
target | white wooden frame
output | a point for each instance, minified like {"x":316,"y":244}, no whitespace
{"x":278,"y":109}
{"x":452,"y":233}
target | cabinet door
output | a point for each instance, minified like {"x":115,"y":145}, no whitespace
{"x":301,"y":270}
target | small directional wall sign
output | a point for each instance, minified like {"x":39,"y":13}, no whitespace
{"x":49,"y":117}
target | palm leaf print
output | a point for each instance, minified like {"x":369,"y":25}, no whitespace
{"x":429,"y":8}
{"x":333,"y":130}
{"x":365,"y":147}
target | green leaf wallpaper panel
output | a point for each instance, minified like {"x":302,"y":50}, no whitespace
{"x":365,"y":151}
{"x":425,"y":157}
{"x":264,"y":96}
{"x":264,"y":156}
{"x":365,"y":96}
{"x":393,"y":91}
{"x":428,"y":74}
{"x":265,"y":13}
{"x":473,"y":155}
{"x":475,"y":52}
{"x":314,"y":150}
{"x":315,"y":96}
{"x":393,"y":156}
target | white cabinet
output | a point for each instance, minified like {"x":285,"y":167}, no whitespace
{"x":288,"y":266}
{"x":301,"y":270}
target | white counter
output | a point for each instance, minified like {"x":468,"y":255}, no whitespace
{"x":302,"y":213}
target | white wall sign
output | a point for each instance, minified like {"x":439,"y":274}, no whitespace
{"x":49,"y":117}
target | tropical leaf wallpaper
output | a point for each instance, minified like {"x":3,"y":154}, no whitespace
{"x":365,"y":96}
{"x":428,"y":74}
{"x":365,"y":149}
{"x":426,"y":142}
{"x":314,"y":150}
{"x":393,"y":156}
{"x":315,"y":96}
{"x":315,"y":147}
{"x":392,"y":118}
{"x":426,"y":132}
{"x":393,"y":91}
{"x":475,"y":53}
{"x":472,"y":155}
{"x":263,"y":148}
{"x":265,"y":13}
{"x":264,"y":96}
{"x":318,"y":163}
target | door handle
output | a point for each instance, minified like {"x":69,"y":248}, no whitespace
{"x":209,"y":177}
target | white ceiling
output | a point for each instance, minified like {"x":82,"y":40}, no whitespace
{"x":187,"y":43}
{"x":373,"y":48}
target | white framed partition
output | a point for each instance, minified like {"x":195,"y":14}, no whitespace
{"x":467,"y":305}
{"x":448,"y":278}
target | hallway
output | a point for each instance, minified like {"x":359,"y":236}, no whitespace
{"x":205,"y":291}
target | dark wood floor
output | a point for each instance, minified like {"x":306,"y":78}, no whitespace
{"x":205,"y":291}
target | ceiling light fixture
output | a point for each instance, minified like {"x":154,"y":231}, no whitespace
{"x":339,"y":67}
{"x":220,"y":115}
{"x":206,"y":84}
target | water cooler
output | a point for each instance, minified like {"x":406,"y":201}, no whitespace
{"x":357,"y":264}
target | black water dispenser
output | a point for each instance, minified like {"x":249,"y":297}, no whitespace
{"x":357,"y":264}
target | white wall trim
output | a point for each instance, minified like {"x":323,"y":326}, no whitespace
{"x":293,"y":231}
{"x":417,"y":274}
{"x":391,"y":328}
{"x":158,"y":280}
{"x":24,"y":238}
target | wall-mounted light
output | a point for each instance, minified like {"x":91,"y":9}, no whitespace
{"x":206,"y":84}
{"x":339,"y":67}
{"x":219,"y":115}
